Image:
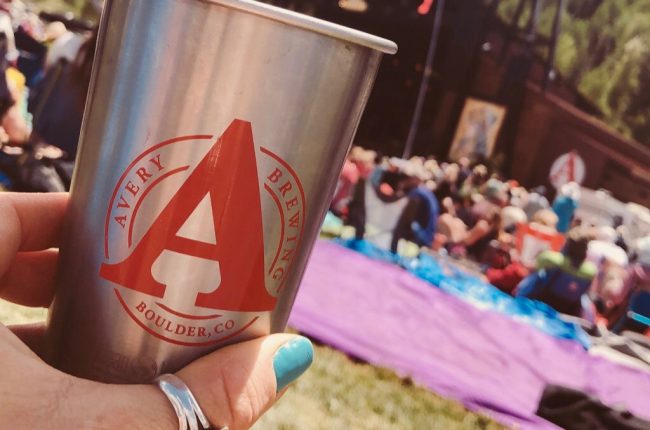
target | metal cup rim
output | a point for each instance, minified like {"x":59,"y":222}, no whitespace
{"x":311,"y":24}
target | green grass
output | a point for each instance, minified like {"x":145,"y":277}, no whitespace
{"x":338,"y":393}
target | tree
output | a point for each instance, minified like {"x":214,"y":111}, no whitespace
{"x":604,"y":51}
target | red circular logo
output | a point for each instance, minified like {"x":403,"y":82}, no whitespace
{"x":200,"y":235}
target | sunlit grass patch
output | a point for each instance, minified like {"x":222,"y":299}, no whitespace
{"x":339,"y":393}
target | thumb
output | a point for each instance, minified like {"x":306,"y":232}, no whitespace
{"x":234,"y":386}
{"x":237,"y":384}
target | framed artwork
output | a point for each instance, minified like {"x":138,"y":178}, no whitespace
{"x":477,"y":129}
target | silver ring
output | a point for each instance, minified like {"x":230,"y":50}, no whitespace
{"x":189,"y":413}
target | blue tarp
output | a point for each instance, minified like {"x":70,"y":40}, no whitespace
{"x":454,"y":281}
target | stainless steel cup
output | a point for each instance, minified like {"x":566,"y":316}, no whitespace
{"x":213,"y":137}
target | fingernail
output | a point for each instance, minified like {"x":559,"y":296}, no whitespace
{"x":291,"y":361}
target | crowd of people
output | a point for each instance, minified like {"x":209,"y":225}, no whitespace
{"x":46,"y":68}
{"x":520,"y":240}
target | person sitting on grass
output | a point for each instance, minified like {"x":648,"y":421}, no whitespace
{"x":561,"y":279}
{"x":418,"y":221}
{"x":565,"y":205}
{"x":480,"y":236}
{"x":636,"y":316}
{"x":504,"y":268}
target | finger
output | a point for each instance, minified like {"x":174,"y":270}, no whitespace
{"x":236,"y":385}
{"x":29,"y":222}
{"x":29,"y":280}
{"x":31,"y":335}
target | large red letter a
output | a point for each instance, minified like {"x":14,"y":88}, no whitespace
{"x":229,"y":174}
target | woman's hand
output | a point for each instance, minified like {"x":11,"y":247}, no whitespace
{"x":234,"y":385}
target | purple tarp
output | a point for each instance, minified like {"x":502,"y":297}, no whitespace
{"x":382,"y":314}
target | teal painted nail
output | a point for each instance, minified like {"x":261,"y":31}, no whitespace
{"x":291,"y":360}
